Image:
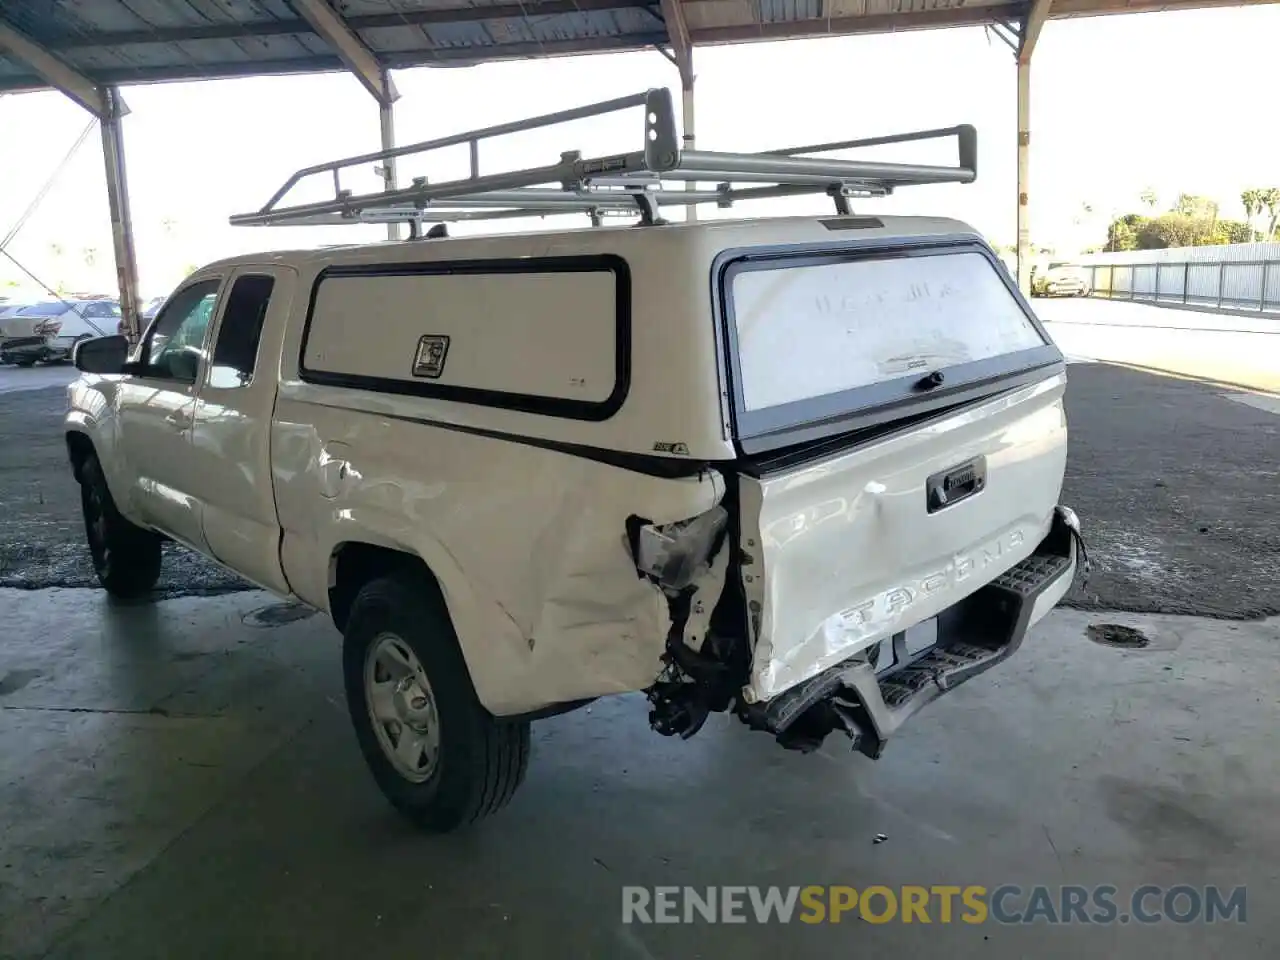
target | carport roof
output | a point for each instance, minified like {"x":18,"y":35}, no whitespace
{"x":134,"y":41}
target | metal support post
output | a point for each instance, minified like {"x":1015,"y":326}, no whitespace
{"x":1028,"y":37}
{"x":1024,"y":169}
{"x":121,"y":217}
{"x":1186,"y":279}
{"x":1262,"y":294}
{"x":387,"y":118}
{"x":690,"y":143}
{"x":682,"y":56}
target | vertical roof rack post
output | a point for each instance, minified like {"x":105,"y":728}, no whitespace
{"x":640,"y":182}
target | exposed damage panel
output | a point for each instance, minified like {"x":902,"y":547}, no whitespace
{"x":531,"y":546}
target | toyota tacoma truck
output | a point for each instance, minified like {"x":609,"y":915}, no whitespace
{"x":803,"y":470}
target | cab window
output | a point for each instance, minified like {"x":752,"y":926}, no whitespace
{"x":235,"y":354}
{"x":175,"y":344}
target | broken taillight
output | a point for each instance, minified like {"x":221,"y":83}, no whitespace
{"x":674,"y":553}
{"x":48,"y":328}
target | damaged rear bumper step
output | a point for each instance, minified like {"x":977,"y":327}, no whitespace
{"x":973,"y":636}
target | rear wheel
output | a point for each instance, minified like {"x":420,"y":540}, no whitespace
{"x":70,"y":355}
{"x":24,"y":363}
{"x":440,"y":758}
{"x":126,"y":558}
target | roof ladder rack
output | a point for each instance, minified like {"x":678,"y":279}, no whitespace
{"x":626,"y":184}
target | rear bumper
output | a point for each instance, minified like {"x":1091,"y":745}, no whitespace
{"x":31,"y":348}
{"x":973,"y":636}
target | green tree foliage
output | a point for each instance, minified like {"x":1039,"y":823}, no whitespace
{"x":1270,"y":198}
{"x":1236,"y":232}
{"x":1251,"y":200}
{"x":1196,"y":207}
{"x":1174,"y":230}
{"x":1124,"y":230}
{"x":1193,"y":222}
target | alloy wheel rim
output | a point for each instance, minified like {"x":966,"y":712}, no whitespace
{"x":402,"y":707}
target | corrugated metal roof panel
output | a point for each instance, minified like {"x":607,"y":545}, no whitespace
{"x":118,"y":41}
{"x":785,"y":11}
{"x":709,"y":14}
{"x":393,"y":39}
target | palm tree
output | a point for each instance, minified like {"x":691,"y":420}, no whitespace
{"x":1270,"y":198}
{"x":1252,"y":202}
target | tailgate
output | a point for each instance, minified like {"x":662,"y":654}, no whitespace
{"x":851,"y":549}
{"x":898,"y":413}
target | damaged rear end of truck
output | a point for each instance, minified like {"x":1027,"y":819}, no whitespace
{"x":890,"y":526}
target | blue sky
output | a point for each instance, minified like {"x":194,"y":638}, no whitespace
{"x":1175,"y":101}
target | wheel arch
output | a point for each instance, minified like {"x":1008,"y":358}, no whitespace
{"x":353,"y":563}
{"x":80,"y":448}
{"x":359,"y":559}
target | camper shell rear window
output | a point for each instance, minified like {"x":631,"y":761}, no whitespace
{"x":830,"y":340}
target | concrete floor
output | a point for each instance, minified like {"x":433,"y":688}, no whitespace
{"x":175,"y":782}
{"x":1235,"y":350}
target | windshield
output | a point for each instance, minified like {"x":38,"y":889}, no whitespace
{"x":53,"y":308}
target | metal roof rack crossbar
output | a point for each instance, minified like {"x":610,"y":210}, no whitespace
{"x":618,"y":184}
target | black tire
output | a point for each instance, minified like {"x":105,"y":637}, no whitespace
{"x":126,"y":557}
{"x":71,"y":352}
{"x":481,"y":760}
{"x":24,"y":363}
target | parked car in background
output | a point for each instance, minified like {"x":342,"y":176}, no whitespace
{"x":8,"y":308}
{"x":1060,"y":280}
{"x":146,"y":314}
{"x":49,"y":330}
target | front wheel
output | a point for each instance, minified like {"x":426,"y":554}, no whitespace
{"x":440,"y":758}
{"x":126,"y":558}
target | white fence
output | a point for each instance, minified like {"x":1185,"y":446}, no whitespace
{"x":1242,"y":276}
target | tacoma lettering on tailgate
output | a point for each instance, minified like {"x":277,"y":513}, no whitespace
{"x":892,"y":603}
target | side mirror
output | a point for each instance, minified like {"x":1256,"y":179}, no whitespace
{"x":101,"y":355}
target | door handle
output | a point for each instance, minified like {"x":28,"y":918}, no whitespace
{"x":179,"y":418}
